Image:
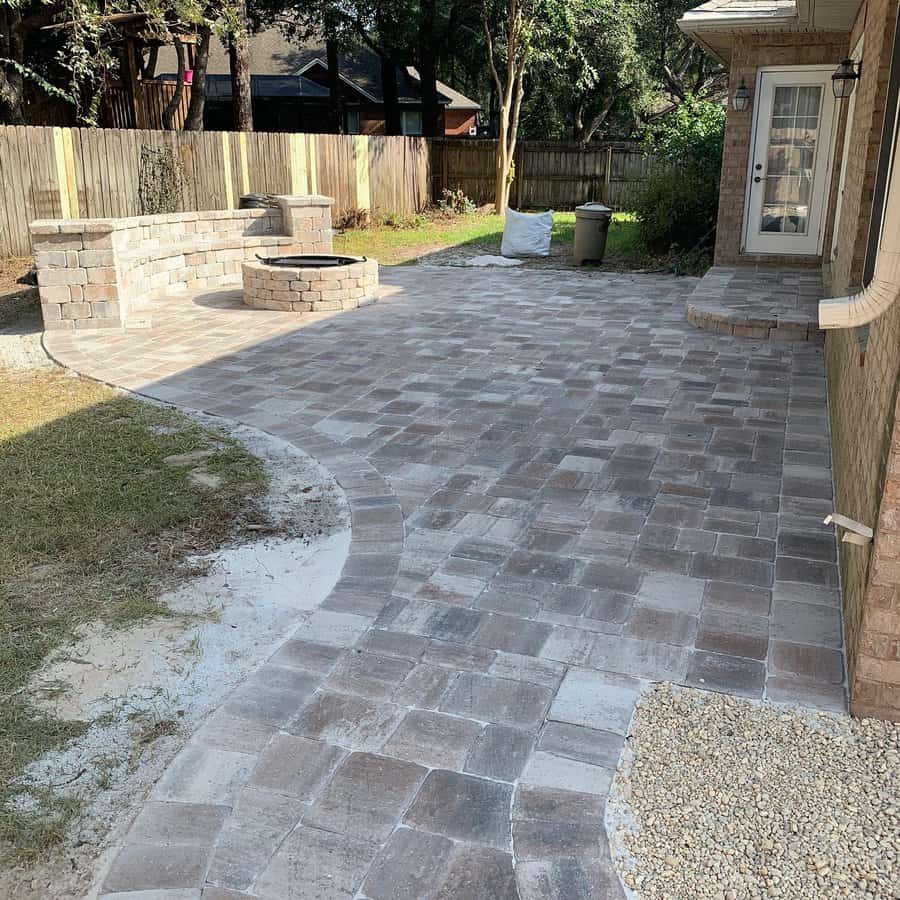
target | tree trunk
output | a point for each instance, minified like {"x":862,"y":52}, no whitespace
{"x":239,"y":58}
{"x":393,"y":123}
{"x":12,"y":86}
{"x":517,"y":94}
{"x":335,"y":94}
{"x":168,"y":116}
{"x":427,"y":66}
{"x":492,"y":112}
{"x":584,"y":132}
{"x":504,"y":160}
{"x":194,"y":120}
{"x":148,"y":68}
{"x":12,"y":97}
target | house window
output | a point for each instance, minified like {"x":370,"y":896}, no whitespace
{"x":411,"y":121}
{"x":351,"y":121}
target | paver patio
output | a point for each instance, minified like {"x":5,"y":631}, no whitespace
{"x":560,"y":490}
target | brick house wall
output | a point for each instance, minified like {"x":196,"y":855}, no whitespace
{"x":863,"y":373}
{"x":752,"y":52}
{"x":458,"y":121}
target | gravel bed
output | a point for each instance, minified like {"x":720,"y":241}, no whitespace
{"x":718,"y":797}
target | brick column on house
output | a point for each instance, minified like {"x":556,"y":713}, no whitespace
{"x":875,"y":684}
{"x":863,"y":367}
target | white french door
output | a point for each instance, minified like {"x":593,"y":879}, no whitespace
{"x":790,"y":162}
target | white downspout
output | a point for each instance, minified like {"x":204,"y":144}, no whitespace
{"x":861,"y":308}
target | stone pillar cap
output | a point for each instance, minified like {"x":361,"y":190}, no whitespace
{"x":304,"y":200}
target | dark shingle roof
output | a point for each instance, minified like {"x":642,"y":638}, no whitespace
{"x":271,"y":53}
{"x":268,"y":86}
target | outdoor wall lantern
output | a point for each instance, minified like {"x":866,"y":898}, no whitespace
{"x":741,"y":99}
{"x":844,"y":79}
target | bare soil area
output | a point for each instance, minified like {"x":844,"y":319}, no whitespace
{"x":111,"y":675}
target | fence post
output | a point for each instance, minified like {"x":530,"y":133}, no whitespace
{"x":226,"y":169}
{"x":608,"y":178}
{"x":445,"y":171}
{"x":361,"y":158}
{"x":245,"y":167}
{"x":519,"y":164}
{"x":64,"y":157}
{"x":299,"y":175}
{"x":312,"y":160}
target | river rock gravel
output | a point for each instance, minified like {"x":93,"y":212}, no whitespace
{"x":722,"y":798}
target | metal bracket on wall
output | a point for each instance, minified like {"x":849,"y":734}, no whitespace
{"x":854,"y":532}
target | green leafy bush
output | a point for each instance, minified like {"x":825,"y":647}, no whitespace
{"x":455,"y":203}
{"x":677,"y":204}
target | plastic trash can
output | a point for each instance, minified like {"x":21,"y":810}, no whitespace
{"x":591,"y":228}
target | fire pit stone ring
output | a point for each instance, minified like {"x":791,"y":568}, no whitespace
{"x":310,"y":283}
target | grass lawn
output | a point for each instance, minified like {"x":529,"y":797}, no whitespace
{"x":481,"y":233}
{"x":94,"y":524}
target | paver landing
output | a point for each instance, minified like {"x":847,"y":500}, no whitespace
{"x":560,"y":490}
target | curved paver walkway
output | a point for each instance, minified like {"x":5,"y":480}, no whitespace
{"x":559,"y":489}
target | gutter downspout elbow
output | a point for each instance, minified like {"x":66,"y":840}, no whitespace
{"x":858,"y":309}
{"x":877,"y":297}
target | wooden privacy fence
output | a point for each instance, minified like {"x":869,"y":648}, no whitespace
{"x":121,"y":106}
{"x":549,"y":174}
{"x":51,"y":173}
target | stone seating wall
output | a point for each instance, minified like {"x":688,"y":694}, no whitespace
{"x":94,"y":273}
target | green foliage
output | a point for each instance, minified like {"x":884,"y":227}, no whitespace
{"x":47,"y":87}
{"x":691,"y":136}
{"x":455,"y":203}
{"x":677,"y":204}
{"x":674,"y":208}
{"x":677,"y":66}
{"x":401,"y":221}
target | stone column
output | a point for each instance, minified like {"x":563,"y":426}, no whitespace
{"x":77,"y":274}
{"x":307,"y":219}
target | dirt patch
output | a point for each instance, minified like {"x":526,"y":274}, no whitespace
{"x":14,"y":271}
{"x":143,"y":690}
{"x":20,"y":317}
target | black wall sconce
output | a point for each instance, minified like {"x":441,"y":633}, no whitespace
{"x":741,"y":99}
{"x":844,"y":79}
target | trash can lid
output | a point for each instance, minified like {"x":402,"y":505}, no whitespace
{"x":592,"y":211}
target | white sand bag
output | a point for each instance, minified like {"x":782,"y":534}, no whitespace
{"x":527,"y":234}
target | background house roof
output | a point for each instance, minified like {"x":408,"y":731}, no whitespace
{"x":272,"y":54}
{"x":267,"y":86}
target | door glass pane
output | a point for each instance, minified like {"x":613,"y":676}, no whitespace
{"x":791,"y":158}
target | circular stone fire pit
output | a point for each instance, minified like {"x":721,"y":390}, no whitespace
{"x":310,"y":283}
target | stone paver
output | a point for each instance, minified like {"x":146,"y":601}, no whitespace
{"x":762,"y":303}
{"x":560,"y":490}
